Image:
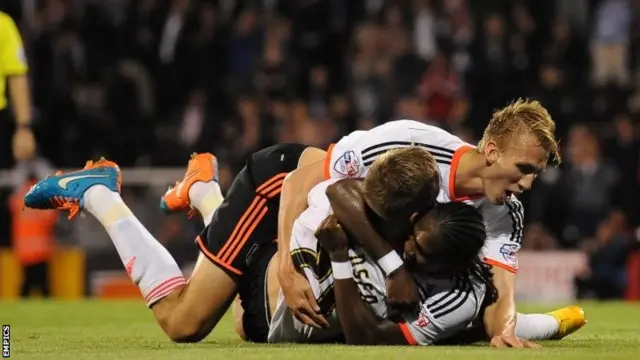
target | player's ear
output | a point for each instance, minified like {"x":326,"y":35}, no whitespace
{"x":491,"y":152}
{"x":413,"y":218}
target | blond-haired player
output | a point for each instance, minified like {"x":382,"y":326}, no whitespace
{"x":516,"y":146}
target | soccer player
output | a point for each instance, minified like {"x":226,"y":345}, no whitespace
{"x":452,"y":292}
{"x":516,"y":146}
{"x":237,"y":228}
{"x":452,"y":231}
{"x":442,"y":257}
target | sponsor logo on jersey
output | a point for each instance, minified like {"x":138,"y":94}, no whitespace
{"x":348,"y":164}
{"x":509,"y":252}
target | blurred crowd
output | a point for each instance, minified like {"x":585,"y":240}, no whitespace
{"x":147,"y":82}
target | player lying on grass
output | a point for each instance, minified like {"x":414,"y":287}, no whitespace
{"x":95,"y":190}
{"x":450,"y":237}
{"x":515,"y":148}
{"x":443,"y":263}
{"x":442,"y":258}
{"x":236,"y":228}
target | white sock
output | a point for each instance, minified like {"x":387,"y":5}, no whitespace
{"x":205,"y":197}
{"x":147,"y":262}
{"x":536,"y":326}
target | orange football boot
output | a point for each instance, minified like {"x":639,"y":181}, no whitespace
{"x":202,"y":167}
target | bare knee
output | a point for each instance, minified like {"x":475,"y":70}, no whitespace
{"x":184,"y":316}
{"x":182,"y":330}
{"x":179,"y":323}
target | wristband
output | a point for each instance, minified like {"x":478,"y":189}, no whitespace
{"x":390,"y":262}
{"x":342,"y":270}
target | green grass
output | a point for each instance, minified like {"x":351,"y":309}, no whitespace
{"x":92,"y":330}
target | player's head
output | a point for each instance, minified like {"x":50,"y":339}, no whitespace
{"x":447,"y":239}
{"x":402,"y":182}
{"x":517,"y":144}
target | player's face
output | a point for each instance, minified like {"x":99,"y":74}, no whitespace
{"x":416,"y":255}
{"x":513,"y":167}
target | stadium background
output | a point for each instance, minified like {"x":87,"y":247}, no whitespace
{"x":147,"y":82}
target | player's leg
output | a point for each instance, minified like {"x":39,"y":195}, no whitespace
{"x":184,"y":314}
{"x":237,"y":312}
{"x":178,"y":307}
{"x":247,"y":219}
{"x":550,"y":326}
{"x":198,"y":189}
{"x":309,"y":155}
{"x":264,"y":275}
{"x":258,"y":291}
{"x":176,"y":304}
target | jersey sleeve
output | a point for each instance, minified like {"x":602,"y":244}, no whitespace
{"x":504,"y":234}
{"x":12,"y":57}
{"x":442,"y":316}
{"x":353,"y":154}
{"x":344,"y":159}
{"x":356,"y":152}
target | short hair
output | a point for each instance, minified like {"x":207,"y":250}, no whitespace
{"x":520,"y":116}
{"x":401,"y":182}
{"x":455,"y":233}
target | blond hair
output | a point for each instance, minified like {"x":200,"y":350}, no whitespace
{"x":401,"y":182}
{"x":523,"y":116}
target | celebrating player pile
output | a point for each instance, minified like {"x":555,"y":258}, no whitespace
{"x":399,"y":188}
{"x":514,"y":149}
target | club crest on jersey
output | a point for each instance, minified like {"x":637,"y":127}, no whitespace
{"x":509,"y":252}
{"x":423,"y":321}
{"x":348,"y":164}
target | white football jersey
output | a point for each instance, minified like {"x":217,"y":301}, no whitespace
{"x":353,"y":155}
{"x":449,"y":305}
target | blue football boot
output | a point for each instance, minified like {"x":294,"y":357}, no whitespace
{"x":65,"y":191}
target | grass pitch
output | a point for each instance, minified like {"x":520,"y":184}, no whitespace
{"x":91,"y":330}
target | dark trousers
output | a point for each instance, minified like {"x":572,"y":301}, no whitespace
{"x":36,"y":277}
{"x":7,"y":127}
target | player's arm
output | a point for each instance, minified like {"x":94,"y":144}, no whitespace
{"x":293,"y":201}
{"x":348,"y":204}
{"x":359,"y":324}
{"x":20,"y":99}
{"x":504,"y":237}
{"x":500,"y":317}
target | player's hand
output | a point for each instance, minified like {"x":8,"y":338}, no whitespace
{"x":331,"y":236}
{"x":512,"y":341}
{"x":24,"y":144}
{"x":299,"y":297}
{"x":402,"y":291}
